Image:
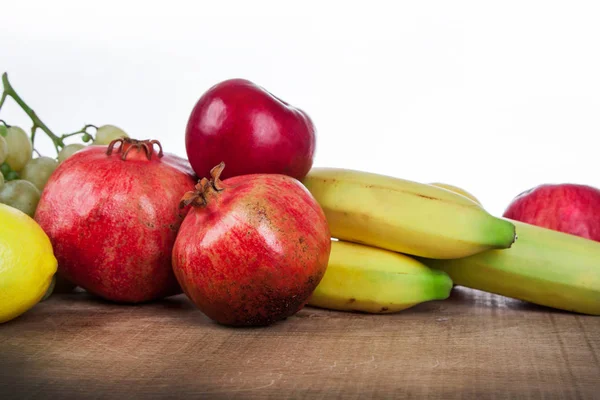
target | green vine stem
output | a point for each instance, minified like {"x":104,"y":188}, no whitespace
{"x":58,"y":141}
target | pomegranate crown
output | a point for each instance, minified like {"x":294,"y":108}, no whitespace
{"x":197,"y":197}
{"x":127,"y":144}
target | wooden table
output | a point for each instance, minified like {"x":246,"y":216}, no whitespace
{"x":474,"y":345}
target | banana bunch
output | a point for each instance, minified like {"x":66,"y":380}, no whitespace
{"x":378,"y":222}
{"x":401,"y":243}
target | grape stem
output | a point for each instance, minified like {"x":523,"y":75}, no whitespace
{"x":37,"y":123}
{"x":58,"y":141}
{"x":82,"y":130}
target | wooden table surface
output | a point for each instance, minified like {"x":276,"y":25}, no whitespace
{"x":474,"y":345}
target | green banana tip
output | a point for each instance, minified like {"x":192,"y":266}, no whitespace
{"x":508,"y":232}
{"x":444,"y":284}
{"x":514,"y":235}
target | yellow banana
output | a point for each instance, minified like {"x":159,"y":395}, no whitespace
{"x":372,"y":280}
{"x":458,"y":190}
{"x":545,"y":267}
{"x":405,"y":216}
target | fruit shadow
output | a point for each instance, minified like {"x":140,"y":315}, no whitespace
{"x":462,"y":300}
{"x":423,"y":308}
{"x":84,"y":310}
{"x":81,"y":296}
{"x":189,"y":313}
{"x":467,"y":297}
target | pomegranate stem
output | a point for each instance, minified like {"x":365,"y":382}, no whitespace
{"x":197,"y":197}
{"x":215,"y":173}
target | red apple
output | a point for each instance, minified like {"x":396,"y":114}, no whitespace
{"x":567,"y":208}
{"x":252,"y":131}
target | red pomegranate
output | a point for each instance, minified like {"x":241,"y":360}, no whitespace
{"x":252,"y":248}
{"x":112,"y":215}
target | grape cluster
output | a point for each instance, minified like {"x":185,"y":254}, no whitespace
{"x":23,"y":176}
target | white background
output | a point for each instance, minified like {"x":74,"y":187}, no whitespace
{"x":495,"y":97}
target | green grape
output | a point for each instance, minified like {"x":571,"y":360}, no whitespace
{"x":12,"y":175}
{"x":20,"y":194}
{"x":2,"y":129}
{"x":38,"y":170}
{"x":107,"y":133}
{"x":3,"y":149}
{"x":68,"y":151}
{"x":19,"y":148}
{"x":5,"y":169}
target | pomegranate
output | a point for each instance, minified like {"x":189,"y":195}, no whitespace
{"x":252,"y":248}
{"x":112,"y":215}
{"x":249,"y":129}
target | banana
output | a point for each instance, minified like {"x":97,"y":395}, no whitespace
{"x":405,"y":216}
{"x":372,"y":280}
{"x":544,"y":267}
{"x":456,"y":189}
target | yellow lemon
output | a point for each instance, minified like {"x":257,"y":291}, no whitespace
{"x":27,"y":263}
{"x":456,"y":189}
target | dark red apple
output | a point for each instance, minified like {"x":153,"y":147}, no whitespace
{"x":249,"y":129}
{"x":568,"y":208}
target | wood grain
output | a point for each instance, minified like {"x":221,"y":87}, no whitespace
{"x":474,"y":345}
